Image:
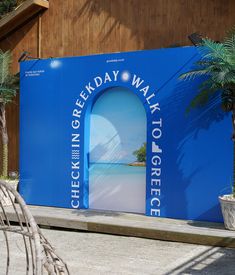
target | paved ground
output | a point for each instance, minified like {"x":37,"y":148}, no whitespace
{"x":91,"y":253}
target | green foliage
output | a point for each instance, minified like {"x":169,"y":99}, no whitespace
{"x":8,"y":83}
{"x":217,"y":64}
{"x":8,"y":87}
{"x":7,"y":6}
{"x":141,"y":153}
{"x":4,"y":178}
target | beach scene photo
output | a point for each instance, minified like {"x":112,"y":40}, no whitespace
{"x":117,"y":152}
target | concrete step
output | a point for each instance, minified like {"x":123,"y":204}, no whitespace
{"x":136,"y":225}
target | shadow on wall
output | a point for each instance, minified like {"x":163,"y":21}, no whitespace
{"x":129,"y":21}
{"x":197,"y":154}
{"x":14,"y":37}
{"x":153,"y":23}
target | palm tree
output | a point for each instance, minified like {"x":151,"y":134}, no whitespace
{"x":8,"y":88}
{"x":217,"y":66}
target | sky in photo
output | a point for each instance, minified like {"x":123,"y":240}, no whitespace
{"x":117,"y":126}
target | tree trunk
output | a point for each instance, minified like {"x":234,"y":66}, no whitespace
{"x":3,"y":128}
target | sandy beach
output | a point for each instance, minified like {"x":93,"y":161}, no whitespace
{"x":117,"y":187}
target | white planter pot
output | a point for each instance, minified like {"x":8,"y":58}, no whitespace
{"x":227,"y":203}
{"x":4,"y":198}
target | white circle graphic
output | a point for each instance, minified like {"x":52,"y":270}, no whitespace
{"x":125,"y":76}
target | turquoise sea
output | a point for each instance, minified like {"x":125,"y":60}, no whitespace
{"x":115,"y":168}
{"x":117,"y":187}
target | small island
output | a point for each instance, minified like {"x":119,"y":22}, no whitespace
{"x":137,"y":163}
{"x":140,"y":156}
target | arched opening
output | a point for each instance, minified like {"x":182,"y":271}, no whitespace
{"x":117,"y":172}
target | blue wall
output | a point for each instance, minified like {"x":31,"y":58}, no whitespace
{"x":189,"y":157}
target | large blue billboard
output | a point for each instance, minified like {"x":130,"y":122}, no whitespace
{"x":111,"y":132}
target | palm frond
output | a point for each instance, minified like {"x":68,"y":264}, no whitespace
{"x":9,"y":83}
{"x":211,"y":50}
{"x":13,"y":81}
{"x":231,"y":59}
{"x":205,"y":63}
{"x":209,"y":84}
{"x":217,"y":63}
{"x":193,"y":74}
{"x":229,"y":44}
{"x":5,"y":61}
{"x":229,"y":77}
{"x":229,"y":33}
{"x":7,"y":94}
{"x":229,"y":41}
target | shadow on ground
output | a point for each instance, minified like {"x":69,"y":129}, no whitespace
{"x":211,"y":261}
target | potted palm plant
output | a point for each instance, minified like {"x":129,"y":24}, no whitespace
{"x":8,"y":87}
{"x":217,"y":66}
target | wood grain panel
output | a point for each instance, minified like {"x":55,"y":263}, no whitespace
{"x":23,"y":39}
{"x":83,"y":27}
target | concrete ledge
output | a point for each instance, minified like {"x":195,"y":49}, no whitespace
{"x":132,"y":225}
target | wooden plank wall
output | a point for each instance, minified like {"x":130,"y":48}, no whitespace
{"x":83,"y":27}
